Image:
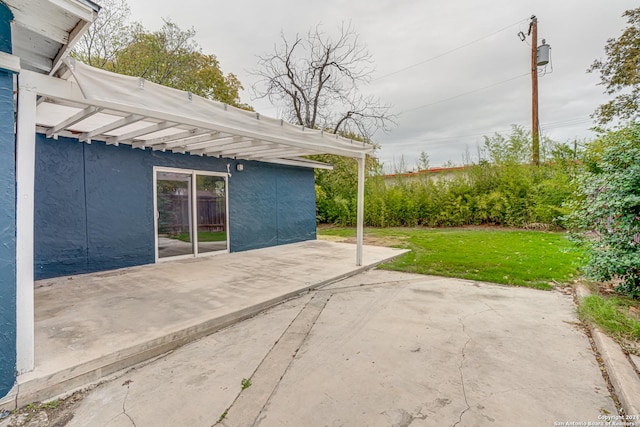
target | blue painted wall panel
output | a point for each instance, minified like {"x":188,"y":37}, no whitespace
{"x":252,"y":211}
{"x":296,"y":207}
{"x":60,"y":215}
{"x":7,"y":217}
{"x":268,"y":204}
{"x":119,"y":206}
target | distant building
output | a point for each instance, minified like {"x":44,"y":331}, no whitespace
{"x":431,"y":173}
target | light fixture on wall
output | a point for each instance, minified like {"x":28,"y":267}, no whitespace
{"x":239,"y":167}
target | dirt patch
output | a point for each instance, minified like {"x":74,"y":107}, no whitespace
{"x":390,"y":241}
{"x":56,"y":413}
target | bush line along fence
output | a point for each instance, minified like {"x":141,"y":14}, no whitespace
{"x":506,"y":194}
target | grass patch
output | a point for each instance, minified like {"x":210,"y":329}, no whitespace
{"x":245,"y":383}
{"x":609,"y":315}
{"x":204,"y":236}
{"x":513,"y":257}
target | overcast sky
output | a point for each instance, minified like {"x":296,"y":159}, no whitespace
{"x":404,"y":33}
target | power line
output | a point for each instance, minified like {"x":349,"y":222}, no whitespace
{"x":465,"y":93}
{"x":545,"y":126}
{"x":447,"y":52}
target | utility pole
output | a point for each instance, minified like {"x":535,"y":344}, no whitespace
{"x":535,"y":148}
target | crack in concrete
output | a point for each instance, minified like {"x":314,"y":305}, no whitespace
{"x":372,"y":285}
{"x":124,"y":407}
{"x":462,"y":360}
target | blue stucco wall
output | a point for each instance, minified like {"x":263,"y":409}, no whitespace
{"x":7,"y":217}
{"x":94,"y":204}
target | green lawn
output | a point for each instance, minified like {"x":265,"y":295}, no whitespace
{"x":524,"y":258}
{"x":204,"y":236}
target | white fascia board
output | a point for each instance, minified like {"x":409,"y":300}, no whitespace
{"x":275,"y":154}
{"x":298,"y":162}
{"x":39,"y":25}
{"x":9,"y":62}
{"x":78,"y":9}
{"x":32,"y":60}
{"x":74,"y":36}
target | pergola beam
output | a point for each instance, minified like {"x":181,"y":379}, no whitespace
{"x":232,"y":144}
{"x":175,"y":137}
{"x":115,"y":140}
{"x":207,"y":137}
{"x":125,"y":121}
{"x":76,"y":118}
{"x":63,"y":89}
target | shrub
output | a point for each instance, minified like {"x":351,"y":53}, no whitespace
{"x":499,"y":190}
{"x":606,"y":214}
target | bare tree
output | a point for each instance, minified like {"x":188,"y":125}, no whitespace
{"x":108,"y":35}
{"x":317,"y":80}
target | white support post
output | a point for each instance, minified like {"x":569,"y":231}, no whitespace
{"x":25,"y":181}
{"x":360,"y":210}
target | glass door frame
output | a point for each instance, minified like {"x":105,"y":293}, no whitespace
{"x":194,"y":211}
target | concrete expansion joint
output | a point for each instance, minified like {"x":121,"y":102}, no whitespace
{"x":250,"y":403}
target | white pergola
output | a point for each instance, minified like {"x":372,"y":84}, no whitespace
{"x":59,"y":97}
{"x":96,"y":106}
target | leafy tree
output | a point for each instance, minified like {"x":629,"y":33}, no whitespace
{"x":170,"y":56}
{"x":317,"y":80}
{"x":423,"y":161}
{"x":620,"y":74}
{"x":606,"y":216}
{"x":516,"y":148}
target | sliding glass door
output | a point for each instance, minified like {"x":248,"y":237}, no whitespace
{"x":211,"y":197}
{"x":191,"y":212}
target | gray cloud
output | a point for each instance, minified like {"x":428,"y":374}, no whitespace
{"x":401,"y":33}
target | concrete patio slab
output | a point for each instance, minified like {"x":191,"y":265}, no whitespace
{"x":91,"y":325}
{"x":378,"y":349}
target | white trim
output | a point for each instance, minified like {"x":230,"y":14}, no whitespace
{"x":77,"y":9}
{"x":360,"y":211}
{"x":304,"y":163}
{"x":193,"y":212}
{"x":193,"y":218}
{"x":25,"y":182}
{"x":9,"y":62}
{"x":156,"y":214}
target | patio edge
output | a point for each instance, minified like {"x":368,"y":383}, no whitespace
{"x":62,"y":383}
